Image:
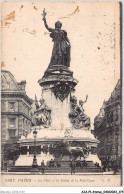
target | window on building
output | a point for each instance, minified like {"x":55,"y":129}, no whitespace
{"x":116,"y":118}
{"x":26,"y":125}
{"x":109,"y":149}
{"x":23,"y":123}
{"x":108,"y":138}
{"x":108,"y":115}
{"x":29,"y":113}
{"x":12,"y":123}
{"x":3,"y":106}
{"x":20,"y":106}
{"x":12,"y":106}
{"x":111,"y":116}
{"x":23,"y":107}
{"x":26,"y":110}
{"x":11,"y":133}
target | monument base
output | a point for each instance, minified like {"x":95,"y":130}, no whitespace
{"x":53,"y":142}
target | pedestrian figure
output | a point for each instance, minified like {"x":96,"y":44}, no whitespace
{"x":42,"y":166}
{"x":5,"y":166}
{"x":72,"y":165}
{"x":104,"y":168}
{"x":51,"y":163}
{"x":115,"y":169}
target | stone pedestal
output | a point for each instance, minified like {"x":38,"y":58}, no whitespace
{"x":60,"y":110}
{"x":57,"y":86}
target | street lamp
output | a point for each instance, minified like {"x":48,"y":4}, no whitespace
{"x":35,"y":165}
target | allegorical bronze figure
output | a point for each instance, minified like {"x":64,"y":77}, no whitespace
{"x":61,"y":47}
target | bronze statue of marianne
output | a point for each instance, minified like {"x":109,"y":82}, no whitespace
{"x":61,"y":47}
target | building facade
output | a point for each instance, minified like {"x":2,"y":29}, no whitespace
{"x":15,"y":107}
{"x":108,"y":129}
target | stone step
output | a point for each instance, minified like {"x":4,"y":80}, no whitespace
{"x":54,"y":170}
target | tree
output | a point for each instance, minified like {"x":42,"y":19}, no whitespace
{"x":10,"y":151}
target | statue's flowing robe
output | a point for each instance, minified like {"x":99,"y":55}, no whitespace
{"x":61,"y":49}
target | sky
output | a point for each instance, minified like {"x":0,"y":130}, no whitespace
{"x":93,"y":30}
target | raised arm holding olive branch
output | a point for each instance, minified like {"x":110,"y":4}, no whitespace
{"x":45,"y":22}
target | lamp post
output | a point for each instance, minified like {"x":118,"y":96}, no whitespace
{"x":35,"y":165}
